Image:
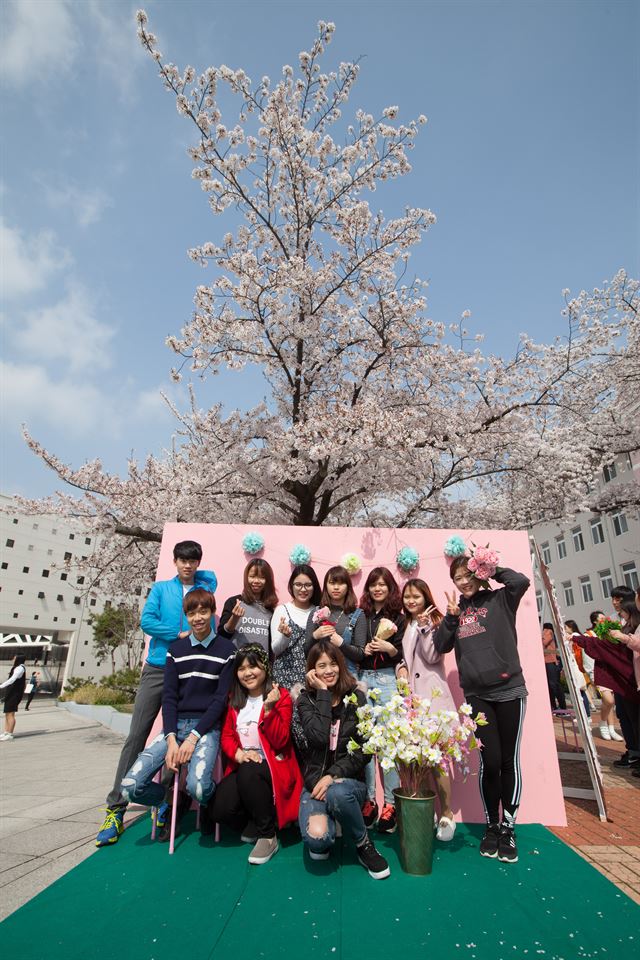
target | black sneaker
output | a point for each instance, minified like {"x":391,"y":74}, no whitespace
{"x":622,"y":761}
{"x":507,"y":850}
{"x":375,"y":864}
{"x":489,"y":843}
{"x":370,"y":813}
{"x":387,"y":821}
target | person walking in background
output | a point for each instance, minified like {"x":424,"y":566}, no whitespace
{"x":32,"y":687}
{"x":164,"y":620}
{"x":552,"y":668}
{"x":14,"y":685}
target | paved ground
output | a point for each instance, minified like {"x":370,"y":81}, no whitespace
{"x":48,"y":825}
{"x":53,"y":781}
{"x":612,"y":847}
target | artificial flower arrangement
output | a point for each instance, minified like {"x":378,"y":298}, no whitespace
{"x":411,"y":734}
{"x":386,"y":629}
{"x":603,"y":628}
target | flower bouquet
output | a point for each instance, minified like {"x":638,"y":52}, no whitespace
{"x":411,"y":734}
{"x":386,"y":629}
{"x":603,"y":628}
{"x":321,"y":617}
{"x":483,"y":562}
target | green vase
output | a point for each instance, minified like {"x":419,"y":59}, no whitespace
{"x":415,"y":825}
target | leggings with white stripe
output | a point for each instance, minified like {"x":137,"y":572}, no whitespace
{"x":500,"y":772}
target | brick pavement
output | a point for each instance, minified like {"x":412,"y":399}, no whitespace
{"x":613,"y":847}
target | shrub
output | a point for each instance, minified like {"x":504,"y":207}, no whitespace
{"x":73,"y":684}
{"x":124,"y":681}
{"x":86,"y":694}
{"x":108,"y":698}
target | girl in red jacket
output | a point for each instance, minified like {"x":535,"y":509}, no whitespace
{"x":262,"y":783}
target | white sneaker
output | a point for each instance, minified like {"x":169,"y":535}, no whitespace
{"x":6,"y":736}
{"x":613,"y":734}
{"x":264,"y":850}
{"x":446,"y":829}
{"x":604,"y":732}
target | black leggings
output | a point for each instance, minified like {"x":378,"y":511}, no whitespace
{"x":246,"y":794}
{"x":500,"y":774}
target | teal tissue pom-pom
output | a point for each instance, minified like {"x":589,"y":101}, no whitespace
{"x":252,"y":543}
{"x":407,"y":559}
{"x":299,"y":554}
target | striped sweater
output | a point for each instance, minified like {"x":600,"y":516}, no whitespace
{"x":196,"y":682}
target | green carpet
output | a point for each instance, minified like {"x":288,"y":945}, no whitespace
{"x":134,"y":902}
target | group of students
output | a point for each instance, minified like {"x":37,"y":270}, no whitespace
{"x":269,"y":687}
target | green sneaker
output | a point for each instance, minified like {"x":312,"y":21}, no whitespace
{"x":111,"y":829}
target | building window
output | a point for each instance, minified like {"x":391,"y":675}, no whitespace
{"x":80,"y":580}
{"x":609,"y":472}
{"x":620,"y":524}
{"x":30,"y":547}
{"x":63,"y":576}
{"x":55,"y":619}
{"x":20,"y":592}
{"x":539,"y":603}
{"x":41,"y":595}
{"x":585,"y":587}
{"x":15,"y":520}
{"x":45,"y":573}
{"x":76,"y":600}
{"x":606,"y":583}
{"x":546,"y":554}
{"x":561,"y":547}
{"x":35,"y":526}
{"x":59,"y":597}
{"x":630,"y":574}
{"x":82,"y":663}
{"x":87,"y":540}
{"x":67,"y":556}
{"x":25,"y":569}
{"x":597,"y":532}
{"x":86,"y":643}
{"x":9,"y":543}
{"x":54,"y":531}
{"x":568,"y":594}
{"x":73,"y":619}
{"x":49,"y":553}
{"x":5,"y":565}
{"x":578,"y":539}
{"x":92,"y":603}
{"x":15,"y":616}
{"x":72,"y":536}
{"x":36,"y":616}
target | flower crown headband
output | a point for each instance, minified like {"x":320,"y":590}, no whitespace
{"x":257,"y":651}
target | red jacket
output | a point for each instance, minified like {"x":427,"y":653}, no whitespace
{"x":613,"y":665}
{"x":274,"y":731}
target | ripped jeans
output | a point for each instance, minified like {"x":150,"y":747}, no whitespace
{"x":343,"y":802}
{"x":138,"y":786}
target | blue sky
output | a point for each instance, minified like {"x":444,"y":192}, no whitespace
{"x":529,"y":160}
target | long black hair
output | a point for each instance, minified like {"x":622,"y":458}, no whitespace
{"x":18,"y":660}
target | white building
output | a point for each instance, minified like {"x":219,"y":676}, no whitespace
{"x":591,"y":554}
{"x":44,"y":607}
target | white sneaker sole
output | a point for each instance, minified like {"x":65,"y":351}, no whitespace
{"x":318,"y":856}
{"x":260,"y":860}
{"x":446,"y":830}
{"x":379,"y":875}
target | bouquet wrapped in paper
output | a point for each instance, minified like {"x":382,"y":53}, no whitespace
{"x":483,"y":562}
{"x":603,"y":628}
{"x":321,"y":617}
{"x":386,"y":629}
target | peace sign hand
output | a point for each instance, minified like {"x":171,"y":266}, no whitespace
{"x":452,"y":604}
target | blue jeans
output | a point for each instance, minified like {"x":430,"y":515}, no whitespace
{"x":139,"y":787}
{"x":385,"y":681}
{"x":343,"y":802}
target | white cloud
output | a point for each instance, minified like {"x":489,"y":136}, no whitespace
{"x":67,"y":334}
{"x":87,"y":206}
{"x":30,"y":394}
{"x":27,"y":263}
{"x":38,"y":38}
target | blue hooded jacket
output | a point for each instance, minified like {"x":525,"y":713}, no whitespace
{"x":163,"y":617}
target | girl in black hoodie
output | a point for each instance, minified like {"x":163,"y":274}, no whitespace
{"x":481,"y":627}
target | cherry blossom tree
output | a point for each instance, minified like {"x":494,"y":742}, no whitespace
{"x":376,"y":414}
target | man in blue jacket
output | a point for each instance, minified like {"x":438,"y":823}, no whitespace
{"x":163,"y":619}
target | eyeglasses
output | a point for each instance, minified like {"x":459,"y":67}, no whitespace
{"x":302,"y":586}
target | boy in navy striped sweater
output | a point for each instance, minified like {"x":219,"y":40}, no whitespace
{"x":197,"y":677}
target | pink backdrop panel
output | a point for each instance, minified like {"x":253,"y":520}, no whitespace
{"x":542,"y":800}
